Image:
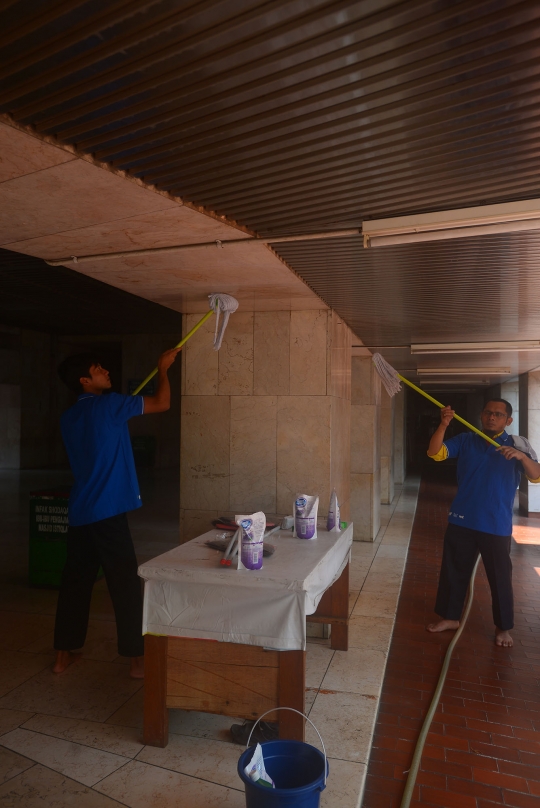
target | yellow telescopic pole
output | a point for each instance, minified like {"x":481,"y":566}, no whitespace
{"x":179,"y":345}
{"x":458,"y":417}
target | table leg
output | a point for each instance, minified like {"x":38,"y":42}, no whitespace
{"x":333,"y":608}
{"x":339,"y":637}
{"x":292,"y":688}
{"x":156,"y":714}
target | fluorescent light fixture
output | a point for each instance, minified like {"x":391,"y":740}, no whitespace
{"x":458,"y":385}
{"x":475,"y":347}
{"x":463,"y":371}
{"x":509,"y":217}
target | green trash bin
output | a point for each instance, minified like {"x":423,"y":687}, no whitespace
{"x":48,"y":532}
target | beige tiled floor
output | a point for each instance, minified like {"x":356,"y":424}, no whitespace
{"x":75,"y":739}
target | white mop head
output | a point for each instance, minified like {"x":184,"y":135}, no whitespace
{"x":389,"y":376}
{"x":226,"y":304}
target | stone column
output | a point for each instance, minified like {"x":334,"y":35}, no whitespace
{"x":523,"y":399}
{"x":534,"y":435}
{"x":399,"y":438}
{"x":365,"y":449}
{"x":266,"y":417}
{"x":510,"y":391}
{"x":387,"y":447}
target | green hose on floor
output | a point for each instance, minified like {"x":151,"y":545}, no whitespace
{"x":419,"y":748}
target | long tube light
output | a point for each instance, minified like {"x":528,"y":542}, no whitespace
{"x":439,"y":385}
{"x":482,"y":220}
{"x":463,"y":371}
{"x":475,"y":347}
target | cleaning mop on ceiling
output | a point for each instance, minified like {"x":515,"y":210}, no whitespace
{"x":227,"y":305}
{"x":219,"y":303}
{"x":391,"y":380}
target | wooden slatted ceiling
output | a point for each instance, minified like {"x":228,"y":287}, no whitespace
{"x":289,"y":115}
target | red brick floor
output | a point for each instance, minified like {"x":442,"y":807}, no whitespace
{"x":484,"y":745}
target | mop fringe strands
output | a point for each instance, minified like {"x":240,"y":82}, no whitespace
{"x":391,"y":380}
{"x":389,"y":376}
{"x":226,"y":304}
{"x":218,"y":303}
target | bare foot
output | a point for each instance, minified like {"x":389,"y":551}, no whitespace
{"x":443,"y":625}
{"x":136,"y":667}
{"x":503,"y":639}
{"x":64,"y":659}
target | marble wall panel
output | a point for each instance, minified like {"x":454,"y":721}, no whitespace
{"x":387,"y":418}
{"x":534,"y":409}
{"x":194,"y":523}
{"x":387,"y":447}
{"x":387,"y":480}
{"x":365,"y":512}
{"x":253,"y":453}
{"x":200,"y":361}
{"x":534,"y":390}
{"x":399,"y":437}
{"x":376,"y":511}
{"x":364,"y":437}
{"x":340,"y":447}
{"x":205,"y":455}
{"x":235,"y":357}
{"x":308,"y":353}
{"x":338,"y":357}
{"x":365,"y":381}
{"x":510,"y":391}
{"x":271,"y":362}
{"x":303,"y":449}
{"x":534,"y":428}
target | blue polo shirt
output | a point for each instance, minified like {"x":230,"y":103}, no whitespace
{"x":98,"y":445}
{"x":487,"y":483}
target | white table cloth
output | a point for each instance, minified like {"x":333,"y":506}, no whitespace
{"x":188,"y":593}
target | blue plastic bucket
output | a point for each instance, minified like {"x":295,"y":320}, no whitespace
{"x":296,"y":768}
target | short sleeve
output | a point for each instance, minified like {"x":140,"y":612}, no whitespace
{"x":442,"y":454}
{"x":453,"y":445}
{"x":122,"y":408}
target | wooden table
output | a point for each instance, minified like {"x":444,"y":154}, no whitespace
{"x":238,"y":680}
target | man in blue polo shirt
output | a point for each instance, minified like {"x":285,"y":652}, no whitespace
{"x":480,"y":518}
{"x":97,"y":442}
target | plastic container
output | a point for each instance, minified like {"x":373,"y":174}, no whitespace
{"x":298,"y":769}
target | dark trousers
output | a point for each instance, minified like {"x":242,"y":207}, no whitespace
{"x":108,"y":544}
{"x":461,"y":548}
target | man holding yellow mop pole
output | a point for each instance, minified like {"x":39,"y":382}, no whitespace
{"x":98,"y":445}
{"x":480,"y":518}
{"x":97,"y":441}
{"x":490,"y":464}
